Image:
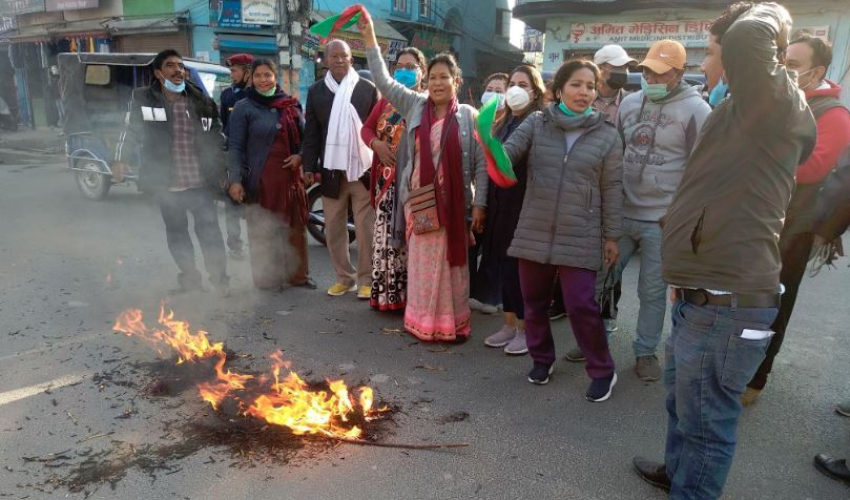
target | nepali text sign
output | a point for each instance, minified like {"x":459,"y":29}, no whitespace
{"x":17,"y":7}
{"x":228,"y":14}
{"x":60,"y":5}
{"x":640,"y":32}
{"x":8,"y":23}
{"x":259,"y":12}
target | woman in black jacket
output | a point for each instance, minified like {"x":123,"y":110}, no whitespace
{"x":266,"y":131}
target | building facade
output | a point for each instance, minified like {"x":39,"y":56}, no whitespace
{"x":579,"y":28}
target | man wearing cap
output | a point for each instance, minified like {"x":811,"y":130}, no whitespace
{"x":659,"y":125}
{"x":240,"y":75}
{"x":721,"y":249}
{"x":614,"y":63}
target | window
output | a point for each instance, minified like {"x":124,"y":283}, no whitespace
{"x":401,"y":7}
{"x":97,"y":74}
{"x":503,"y":23}
{"x":426,"y":9}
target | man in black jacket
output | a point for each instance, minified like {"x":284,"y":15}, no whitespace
{"x":340,"y":160}
{"x":177,"y":128}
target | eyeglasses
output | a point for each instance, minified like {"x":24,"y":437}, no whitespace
{"x":411,"y":67}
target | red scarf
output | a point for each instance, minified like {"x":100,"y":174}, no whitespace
{"x":451,"y":205}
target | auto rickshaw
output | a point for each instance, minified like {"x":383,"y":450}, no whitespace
{"x":96,"y":90}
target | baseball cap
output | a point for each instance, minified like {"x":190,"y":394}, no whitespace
{"x":665,"y":55}
{"x":613,"y":55}
{"x":240,"y":59}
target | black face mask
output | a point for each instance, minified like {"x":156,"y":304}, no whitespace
{"x":617,"y":80}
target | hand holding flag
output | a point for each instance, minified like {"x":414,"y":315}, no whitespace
{"x":342,"y":21}
{"x":498,"y":163}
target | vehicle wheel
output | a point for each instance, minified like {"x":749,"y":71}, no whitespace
{"x":92,"y":183}
{"x":316,"y":215}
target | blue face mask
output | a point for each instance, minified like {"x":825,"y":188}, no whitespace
{"x":177,"y":89}
{"x":718,"y":94}
{"x":567,"y":111}
{"x":654,"y":91}
{"x":406,"y":77}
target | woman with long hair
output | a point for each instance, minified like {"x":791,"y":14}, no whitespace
{"x":266,"y":130}
{"x":571,"y":218}
{"x":383,"y":132}
{"x":524,"y":96}
{"x":440,"y":160}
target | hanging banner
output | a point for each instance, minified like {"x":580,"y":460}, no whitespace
{"x":259,"y":12}
{"x":60,"y":5}
{"x":688,"y":33}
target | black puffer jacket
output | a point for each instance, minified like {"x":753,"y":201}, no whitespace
{"x":154,"y":138}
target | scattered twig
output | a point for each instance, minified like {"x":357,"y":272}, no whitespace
{"x":406,"y":446}
{"x":95,"y":437}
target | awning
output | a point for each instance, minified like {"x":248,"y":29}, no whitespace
{"x":143,"y":26}
{"x":94,"y":28}
{"x":251,"y":44}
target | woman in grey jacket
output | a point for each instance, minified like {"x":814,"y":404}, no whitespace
{"x":440,"y":159}
{"x":571,"y":217}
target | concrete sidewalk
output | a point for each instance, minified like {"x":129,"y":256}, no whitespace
{"x":42,"y":140}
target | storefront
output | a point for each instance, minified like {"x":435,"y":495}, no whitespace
{"x":579,"y":29}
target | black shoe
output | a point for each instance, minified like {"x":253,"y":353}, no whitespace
{"x":653,"y":473}
{"x":309,"y":284}
{"x":600,"y":388}
{"x":556,"y":312}
{"x":539,"y":375}
{"x":833,"y":467}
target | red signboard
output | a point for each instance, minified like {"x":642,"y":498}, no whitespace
{"x":59,"y":5}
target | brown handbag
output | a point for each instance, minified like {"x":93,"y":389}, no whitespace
{"x":423,"y":210}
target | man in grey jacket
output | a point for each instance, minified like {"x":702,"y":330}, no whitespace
{"x":659,"y":127}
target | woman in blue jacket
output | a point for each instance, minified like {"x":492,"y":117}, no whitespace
{"x":264,"y":168}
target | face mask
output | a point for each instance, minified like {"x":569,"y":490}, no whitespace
{"x":486,"y":96}
{"x":718,"y":94}
{"x":617,"y":80}
{"x":806,"y":86}
{"x":267,"y":93}
{"x":406,"y":77}
{"x":653,"y":91}
{"x":567,"y":111}
{"x":517,"y":98}
{"x":172,"y":87}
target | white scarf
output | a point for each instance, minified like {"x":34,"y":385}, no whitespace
{"x":344,"y":150}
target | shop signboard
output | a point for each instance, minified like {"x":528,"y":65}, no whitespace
{"x":61,"y":5}
{"x":688,"y":33}
{"x":18,"y":7}
{"x":228,"y":14}
{"x":8,"y":23}
{"x":259,"y":12}
{"x":821,"y":32}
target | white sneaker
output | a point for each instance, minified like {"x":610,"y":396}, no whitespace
{"x":475,"y":305}
{"x":517,"y":346}
{"x":488,"y":309}
{"x":501,"y":338}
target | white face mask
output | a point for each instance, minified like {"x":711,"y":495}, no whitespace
{"x":486,"y":96}
{"x":517,"y":98}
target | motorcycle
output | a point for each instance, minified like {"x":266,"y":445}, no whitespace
{"x":316,"y":216}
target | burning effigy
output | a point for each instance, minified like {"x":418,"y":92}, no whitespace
{"x":279,"y":398}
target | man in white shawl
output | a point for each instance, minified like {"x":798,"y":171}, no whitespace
{"x":336,"y":109}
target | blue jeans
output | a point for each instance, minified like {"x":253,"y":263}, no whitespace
{"x":707,"y":367}
{"x":652,"y":290}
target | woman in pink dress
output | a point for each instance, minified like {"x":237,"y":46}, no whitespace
{"x":441,"y":156}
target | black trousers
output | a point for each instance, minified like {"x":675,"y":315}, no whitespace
{"x":175,"y":208}
{"x":795,"y":251}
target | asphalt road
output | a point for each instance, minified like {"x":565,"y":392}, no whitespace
{"x":68,"y":266}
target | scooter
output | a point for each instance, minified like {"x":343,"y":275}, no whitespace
{"x":316,"y":216}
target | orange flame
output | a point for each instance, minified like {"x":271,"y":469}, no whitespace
{"x":288,"y":402}
{"x":175,"y":334}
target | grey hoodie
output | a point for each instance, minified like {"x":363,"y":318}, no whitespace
{"x":658,"y":138}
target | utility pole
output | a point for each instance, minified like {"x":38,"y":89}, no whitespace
{"x":291,"y":13}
